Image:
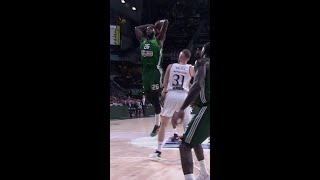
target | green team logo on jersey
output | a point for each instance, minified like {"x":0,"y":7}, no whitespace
{"x":151,"y":53}
{"x":145,"y":52}
{"x":146,"y":46}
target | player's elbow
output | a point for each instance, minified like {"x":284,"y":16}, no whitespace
{"x":137,"y":29}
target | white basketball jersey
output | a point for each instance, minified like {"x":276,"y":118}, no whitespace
{"x":179,"y":77}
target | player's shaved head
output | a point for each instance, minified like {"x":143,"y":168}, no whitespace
{"x":187,"y":53}
{"x":184,"y":55}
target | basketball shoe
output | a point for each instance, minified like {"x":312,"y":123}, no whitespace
{"x":155,"y":130}
{"x":175,"y":137}
{"x":156,"y":155}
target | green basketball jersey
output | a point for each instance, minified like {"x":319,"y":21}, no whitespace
{"x":151,"y":54}
{"x":204,"y":96}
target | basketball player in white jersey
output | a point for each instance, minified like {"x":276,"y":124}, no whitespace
{"x":176,"y":85}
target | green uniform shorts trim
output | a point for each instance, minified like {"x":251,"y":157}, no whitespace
{"x":198,"y":129}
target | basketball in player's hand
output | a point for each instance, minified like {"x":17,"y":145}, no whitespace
{"x":158,"y":26}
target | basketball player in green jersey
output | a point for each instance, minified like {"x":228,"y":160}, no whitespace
{"x":198,"y":129}
{"x":151,"y":60}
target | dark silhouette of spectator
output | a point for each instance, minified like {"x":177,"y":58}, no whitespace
{"x":131,"y":109}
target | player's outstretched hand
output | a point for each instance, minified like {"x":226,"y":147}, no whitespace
{"x":177,"y":117}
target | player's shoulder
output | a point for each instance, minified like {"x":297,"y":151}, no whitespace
{"x":191,"y":67}
{"x":170,"y":66}
{"x":174,"y":64}
{"x":201,"y":62}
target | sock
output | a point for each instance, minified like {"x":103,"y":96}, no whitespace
{"x":188,"y":177}
{"x":203,"y":168}
{"x":157,"y":119}
{"x":159,"y":146}
{"x":175,"y":131}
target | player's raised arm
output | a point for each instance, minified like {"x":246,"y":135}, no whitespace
{"x":139,"y":31}
{"x":163,"y":30}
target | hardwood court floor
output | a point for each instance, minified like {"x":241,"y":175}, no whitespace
{"x":130,"y":147}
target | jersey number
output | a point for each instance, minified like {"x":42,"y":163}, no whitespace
{"x":177,"y":82}
{"x":155,"y":87}
{"x":146,"y":46}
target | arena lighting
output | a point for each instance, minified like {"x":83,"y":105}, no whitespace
{"x":134,"y":8}
{"x":123,"y":1}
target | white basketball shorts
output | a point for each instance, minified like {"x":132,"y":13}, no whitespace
{"x":173,"y":103}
